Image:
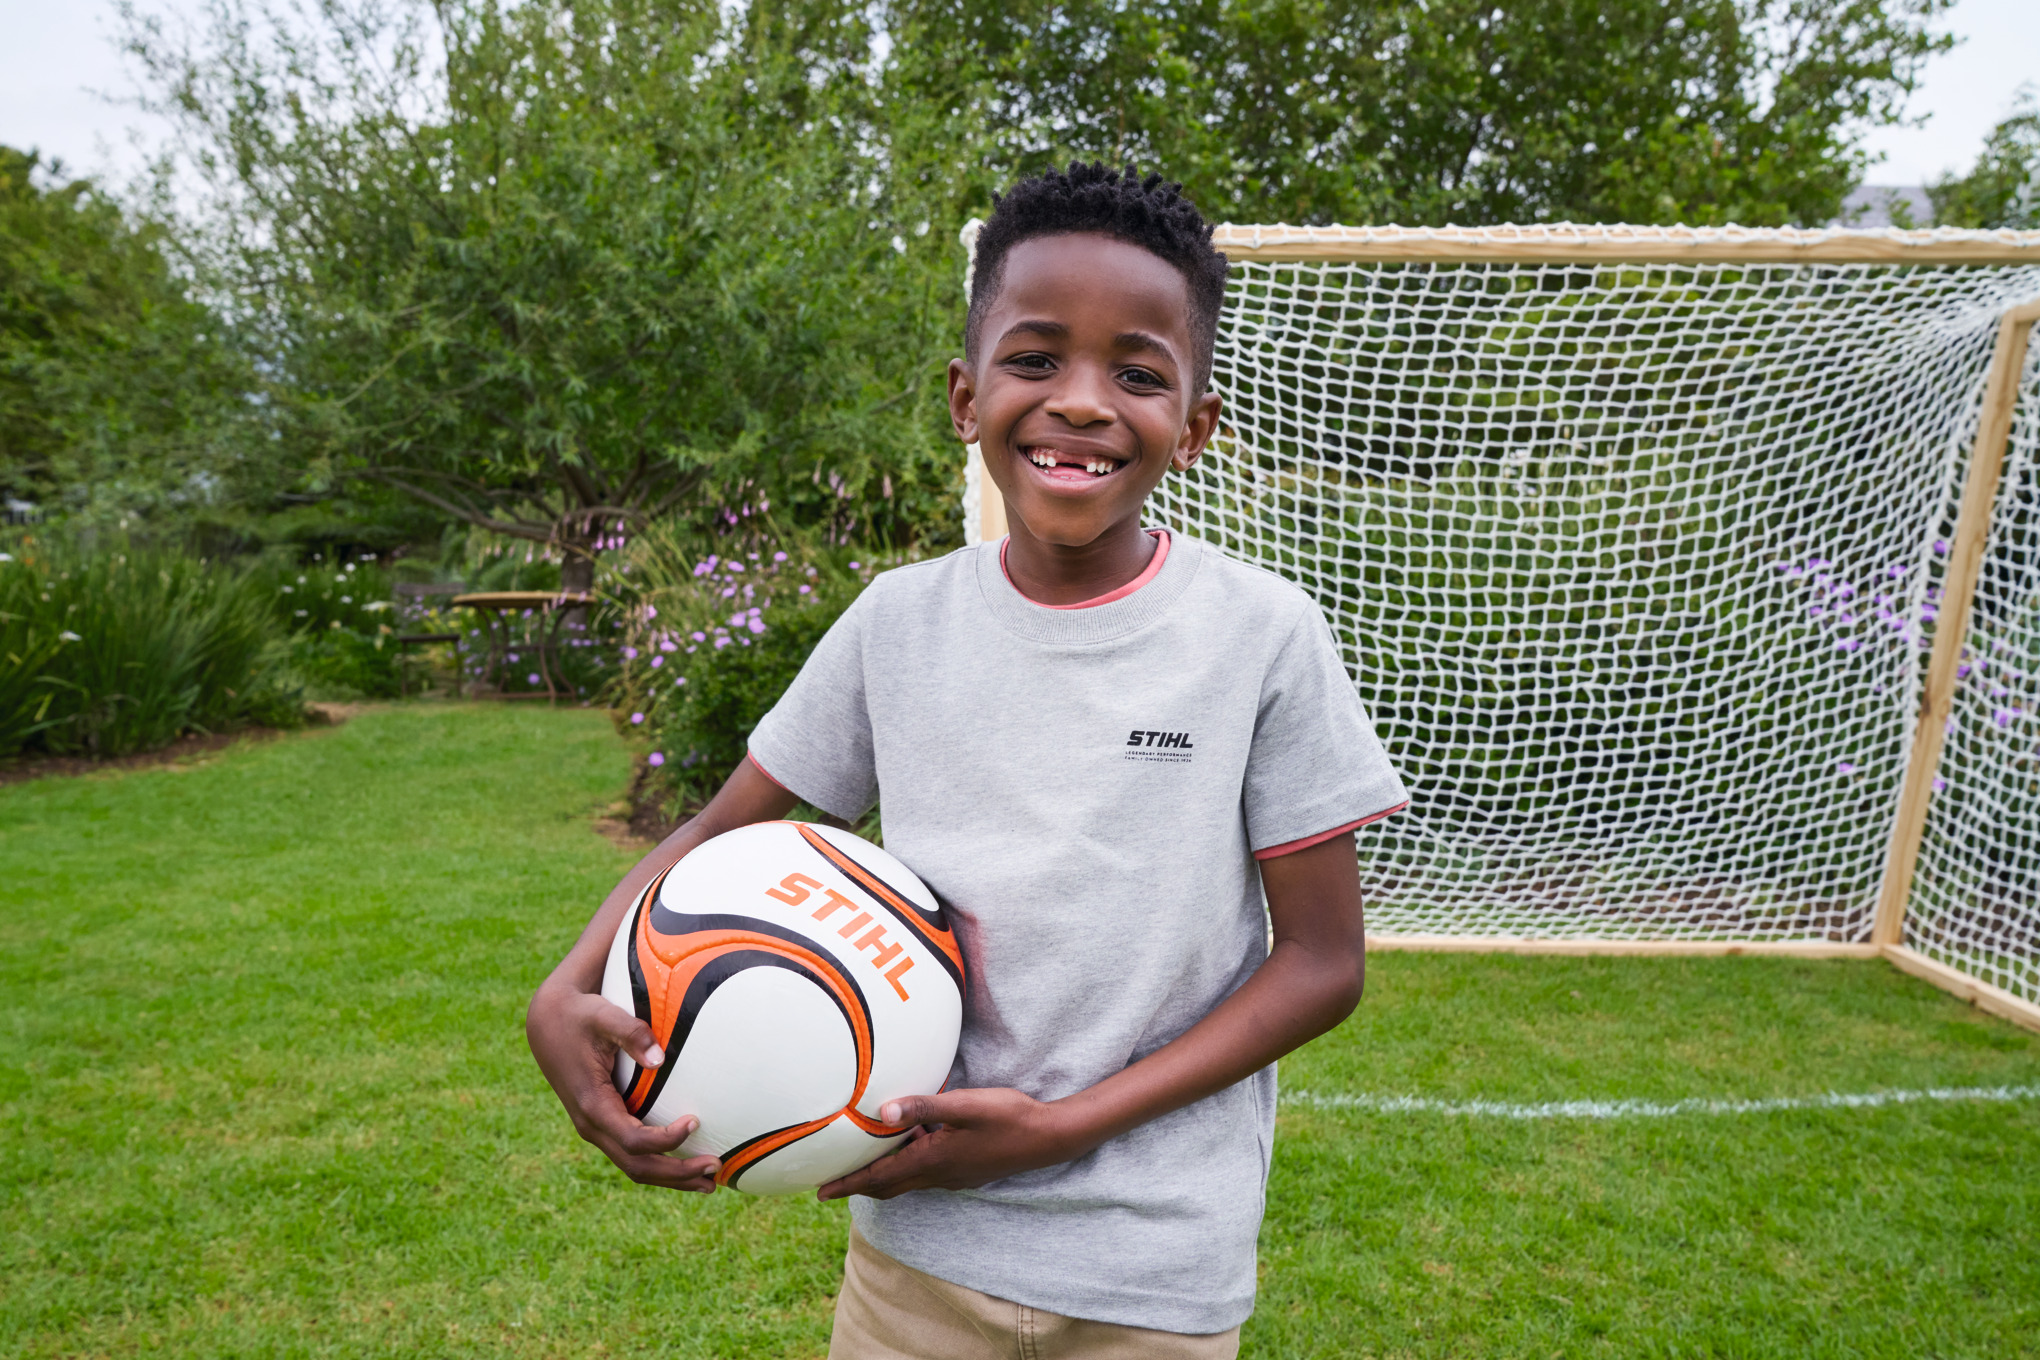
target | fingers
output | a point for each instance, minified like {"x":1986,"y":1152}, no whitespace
{"x":626,"y":1032}
{"x":696,"y":1174}
{"x":947,"y":1108}
{"x":643,"y":1152}
{"x":906,"y":1168}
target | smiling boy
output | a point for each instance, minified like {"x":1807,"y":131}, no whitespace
{"x":1104,"y":748}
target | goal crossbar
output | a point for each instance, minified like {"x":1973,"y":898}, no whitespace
{"x":1694,"y":573}
{"x":1566,"y":242}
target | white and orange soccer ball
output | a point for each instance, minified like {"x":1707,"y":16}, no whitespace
{"x":798,"y":978}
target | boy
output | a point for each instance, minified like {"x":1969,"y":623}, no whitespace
{"x":1100,"y":746}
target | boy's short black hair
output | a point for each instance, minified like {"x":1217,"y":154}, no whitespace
{"x":1149,"y":213}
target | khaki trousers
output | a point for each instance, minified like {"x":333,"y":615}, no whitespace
{"x":888,"y":1311}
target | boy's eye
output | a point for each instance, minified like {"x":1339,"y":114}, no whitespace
{"x":1142,"y":377}
{"x":1033,"y":362}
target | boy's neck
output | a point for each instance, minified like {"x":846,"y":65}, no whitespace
{"x":1061,"y":574}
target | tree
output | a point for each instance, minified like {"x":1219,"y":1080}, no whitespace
{"x":596,"y":264}
{"x":119,"y":393}
{"x":2003,"y":188}
{"x":1434,"y":111}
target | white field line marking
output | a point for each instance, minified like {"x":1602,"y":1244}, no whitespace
{"x":1651,"y":1109}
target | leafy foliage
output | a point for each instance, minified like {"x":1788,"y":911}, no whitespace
{"x":615,"y":261}
{"x":118,"y":391}
{"x":1434,"y":111}
{"x":2003,"y":188}
{"x":341,"y":622}
{"x":127,"y":648}
{"x":715,"y":640}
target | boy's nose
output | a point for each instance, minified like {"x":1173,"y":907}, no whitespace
{"x":1083,"y":397}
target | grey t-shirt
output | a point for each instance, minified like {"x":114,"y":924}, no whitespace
{"x":1085,"y":790}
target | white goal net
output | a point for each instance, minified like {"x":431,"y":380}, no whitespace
{"x":1638,"y":565}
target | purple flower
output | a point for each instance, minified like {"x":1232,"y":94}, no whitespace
{"x":736,"y":566}
{"x":531,"y":679}
{"x":1850,"y":644}
{"x":1962,"y":671}
{"x":805,"y":589}
{"x":1939,"y":784}
{"x":1895,"y":570}
{"x":658,"y":661}
{"x":656,"y":759}
{"x":651,"y":611}
{"x":737,"y":619}
{"x":667,"y":644}
{"x":679,"y":680}
{"x":1814,"y":611}
{"x":757,"y":625}
{"x":722,"y":642}
{"x":727,"y":593}
{"x":779,"y":557}
{"x":855,"y":565}
{"x":1816,"y":563}
{"x":2003,"y":717}
{"x":636,"y":718}
{"x":699,"y":637}
{"x":630,"y":653}
{"x":1845,"y":767}
{"x":513,"y":656}
{"x":1940,"y":547}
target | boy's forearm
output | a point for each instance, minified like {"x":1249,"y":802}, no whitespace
{"x":1310,"y":983}
{"x":1294,"y":997}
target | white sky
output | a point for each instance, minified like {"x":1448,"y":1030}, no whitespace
{"x":55,"y":53}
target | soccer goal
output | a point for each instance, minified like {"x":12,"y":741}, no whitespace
{"x":1692,"y":576}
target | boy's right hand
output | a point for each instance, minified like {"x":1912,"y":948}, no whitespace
{"x":575,"y":1036}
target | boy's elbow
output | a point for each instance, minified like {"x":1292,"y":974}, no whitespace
{"x":1344,"y":981}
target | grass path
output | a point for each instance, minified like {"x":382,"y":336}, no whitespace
{"x":263,"y":1092}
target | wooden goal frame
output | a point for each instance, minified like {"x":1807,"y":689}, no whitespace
{"x":1576,"y":244}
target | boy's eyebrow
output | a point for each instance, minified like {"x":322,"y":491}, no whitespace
{"x":1143,"y":340}
{"x":1125,"y":340}
{"x":1054,"y":330}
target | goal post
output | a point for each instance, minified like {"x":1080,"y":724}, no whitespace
{"x":1692,"y":576}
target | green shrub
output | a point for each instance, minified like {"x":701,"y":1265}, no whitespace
{"x":341,"y":623}
{"x":126,"y":648}
{"x":713,"y":643}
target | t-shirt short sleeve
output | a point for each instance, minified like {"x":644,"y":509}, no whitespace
{"x":816,"y":742}
{"x":1315,"y":765}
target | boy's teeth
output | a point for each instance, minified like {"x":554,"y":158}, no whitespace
{"x":1096,"y":466}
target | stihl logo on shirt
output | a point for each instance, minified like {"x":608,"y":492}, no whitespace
{"x":1169,"y":748}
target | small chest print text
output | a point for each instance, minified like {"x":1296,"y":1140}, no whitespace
{"x":1168,"y":748}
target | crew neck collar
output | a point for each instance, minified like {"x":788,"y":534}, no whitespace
{"x":1133,"y":606}
{"x":1147,"y":573}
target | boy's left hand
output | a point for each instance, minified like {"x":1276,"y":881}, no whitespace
{"x":965,"y":1138}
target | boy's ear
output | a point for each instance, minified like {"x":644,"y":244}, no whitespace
{"x":963,"y":400}
{"x":1197,"y":431}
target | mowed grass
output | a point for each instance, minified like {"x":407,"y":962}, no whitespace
{"x":263,"y":1091}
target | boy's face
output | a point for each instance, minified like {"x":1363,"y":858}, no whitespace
{"x":1080,"y":398}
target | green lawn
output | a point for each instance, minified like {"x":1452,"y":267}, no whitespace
{"x":263,"y":1091}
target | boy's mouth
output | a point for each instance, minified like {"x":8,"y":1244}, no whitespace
{"x":1071,"y":467}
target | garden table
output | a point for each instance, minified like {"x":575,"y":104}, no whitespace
{"x":498,"y":607}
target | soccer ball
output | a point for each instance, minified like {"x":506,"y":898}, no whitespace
{"x":797,"y":978}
